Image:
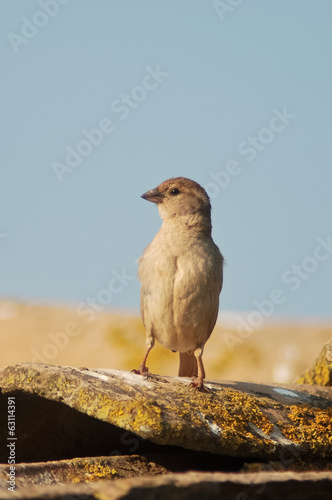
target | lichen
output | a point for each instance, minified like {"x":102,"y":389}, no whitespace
{"x":321,"y":372}
{"x":222,"y":420}
{"x":137,"y":415}
{"x":228,"y":410}
{"x":98,"y":471}
{"x":312,"y":426}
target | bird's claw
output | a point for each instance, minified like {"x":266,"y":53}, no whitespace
{"x":142,"y":370}
{"x":197,"y":382}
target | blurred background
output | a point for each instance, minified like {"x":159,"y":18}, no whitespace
{"x":103,"y":100}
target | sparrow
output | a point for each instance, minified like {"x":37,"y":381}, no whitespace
{"x":181,"y":275}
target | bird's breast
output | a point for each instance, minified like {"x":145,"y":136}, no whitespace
{"x":180,"y":286}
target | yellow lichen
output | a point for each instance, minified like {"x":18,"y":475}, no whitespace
{"x":228,"y":410}
{"x":321,"y":372}
{"x":97,"y":470}
{"x":223,"y":418}
{"x":310,"y":425}
{"x":137,"y":415}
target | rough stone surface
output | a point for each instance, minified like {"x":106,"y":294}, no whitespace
{"x":81,"y":470}
{"x":65,"y":412}
{"x":91,"y":469}
{"x":321,"y":372}
{"x":193,"y":486}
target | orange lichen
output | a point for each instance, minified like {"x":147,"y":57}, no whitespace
{"x":312,"y":426}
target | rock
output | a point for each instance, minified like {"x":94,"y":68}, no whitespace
{"x":321,"y":372}
{"x":81,"y":470}
{"x":193,"y":486}
{"x":65,"y":413}
{"x":93,"y":469}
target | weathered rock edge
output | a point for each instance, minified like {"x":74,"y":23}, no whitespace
{"x":193,"y":486}
{"x":80,"y":470}
{"x":321,"y":371}
{"x":234,"y":419}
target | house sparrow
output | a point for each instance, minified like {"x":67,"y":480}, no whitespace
{"x":181,"y":274}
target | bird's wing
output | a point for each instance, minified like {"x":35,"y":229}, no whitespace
{"x":197,"y":286}
{"x":156,"y":273}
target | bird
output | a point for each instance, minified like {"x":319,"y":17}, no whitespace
{"x":181,"y":276}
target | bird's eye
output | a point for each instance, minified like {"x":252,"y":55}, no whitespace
{"x":174,"y":191}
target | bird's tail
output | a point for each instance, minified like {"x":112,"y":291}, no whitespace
{"x":188,"y":365}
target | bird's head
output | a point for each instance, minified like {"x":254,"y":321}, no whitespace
{"x":184,"y":201}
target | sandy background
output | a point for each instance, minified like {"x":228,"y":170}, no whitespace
{"x":278,"y":351}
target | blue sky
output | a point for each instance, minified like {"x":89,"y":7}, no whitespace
{"x":103,"y":100}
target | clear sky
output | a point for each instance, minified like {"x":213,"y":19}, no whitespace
{"x":102,"y":100}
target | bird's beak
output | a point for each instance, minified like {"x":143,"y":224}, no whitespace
{"x":153,"y":195}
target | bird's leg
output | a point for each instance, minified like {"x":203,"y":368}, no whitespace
{"x":198,"y":381}
{"x":143,"y":369}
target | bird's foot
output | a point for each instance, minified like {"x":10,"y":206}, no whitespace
{"x":142,"y":370}
{"x":197,"y":382}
